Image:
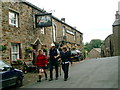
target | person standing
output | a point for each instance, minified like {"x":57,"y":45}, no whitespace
{"x":53,"y":56}
{"x":65,"y":57}
{"x":41,"y":64}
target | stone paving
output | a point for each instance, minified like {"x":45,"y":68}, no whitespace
{"x":31,"y":77}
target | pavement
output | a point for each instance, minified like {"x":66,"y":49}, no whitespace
{"x":31,"y":77}
{"x":93,"y":73}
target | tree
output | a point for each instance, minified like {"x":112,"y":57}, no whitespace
{"x":94,"y":43}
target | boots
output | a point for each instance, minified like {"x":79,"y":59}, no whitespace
{"x":45,"y":75}
{"x":39,"y":80}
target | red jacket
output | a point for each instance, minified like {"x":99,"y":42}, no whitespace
{"x":41,"y":60}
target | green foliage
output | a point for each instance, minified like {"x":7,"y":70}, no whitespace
{"x":73,"y":48}
{"x":45,"y":50}
{"x":60,"y":44}
{"x":2,"y":47}
{"x":94,"y":43}
{"x":29,"y":50}
{"x":19,"y":62}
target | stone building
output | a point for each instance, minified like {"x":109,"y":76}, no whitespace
{"x":20,"y":38}
{"x":94,"y":53}
{"x":107,"y":48}
{"x":116,"y":34}
{"x":111,"y":45}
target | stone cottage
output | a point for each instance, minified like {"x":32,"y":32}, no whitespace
{"x":94,"y":53}
{"x":111,"y":45}
{"x":21,"y":39}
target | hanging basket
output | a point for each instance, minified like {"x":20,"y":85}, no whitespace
{"x":29,"y":50}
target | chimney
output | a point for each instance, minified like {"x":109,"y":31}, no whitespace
{"x":119,"y":7}
{"x":63,"y":19}
{"x":117,"y":15}
{"x":118,"y":12}
{"x":75,"y":27}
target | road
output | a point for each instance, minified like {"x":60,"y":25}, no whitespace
{"x":93,"y":73}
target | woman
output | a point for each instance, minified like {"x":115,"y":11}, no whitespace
{"x":41,"y":63}
{"x":65,"y":57}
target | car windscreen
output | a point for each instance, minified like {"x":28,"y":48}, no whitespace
{"x":74,"y":52}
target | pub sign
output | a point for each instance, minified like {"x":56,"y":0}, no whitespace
{"x":43,"y":20}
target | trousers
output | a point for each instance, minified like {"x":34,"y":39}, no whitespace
{"x":65,"y":68}
{"x":51,"y":69}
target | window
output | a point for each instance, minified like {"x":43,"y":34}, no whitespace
{"x":43,"y":30}
{"x":81,"y":37}
{"x":75,"y":36}
{"x":15,"y":51}
{"x":70,"y":32}
{"x":63,"y":31}
{"x":13,"y":18}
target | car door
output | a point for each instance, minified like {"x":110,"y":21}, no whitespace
{"x":8,"y":77}
{"x":0,"y":79}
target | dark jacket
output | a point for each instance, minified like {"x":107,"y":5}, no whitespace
{"x":65,"y":56}
{"x":53,"y":53}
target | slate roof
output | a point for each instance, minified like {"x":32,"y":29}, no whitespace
{"x":117,"y":22}
{"x":98,"y":49}
{"x":43,"y":11}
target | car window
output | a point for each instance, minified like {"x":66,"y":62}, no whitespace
{"x":73,"y":52}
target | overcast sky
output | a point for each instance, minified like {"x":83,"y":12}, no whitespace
{"x":94,"y":18}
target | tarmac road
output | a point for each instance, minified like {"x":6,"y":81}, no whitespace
{"x":94,"y":73}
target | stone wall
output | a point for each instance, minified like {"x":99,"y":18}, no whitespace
{"x":116,"y":34}
{"x":72,"y":41}
{"x":59,"y":28}
{"x":0,"y":28}
{"x":26,"y":34}
{"x":107,"y":48}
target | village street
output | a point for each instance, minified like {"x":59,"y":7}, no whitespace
{"x":34,"y":34}
{"x":94,"y":73}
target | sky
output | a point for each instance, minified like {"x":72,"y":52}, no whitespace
{"x":94,"y":18}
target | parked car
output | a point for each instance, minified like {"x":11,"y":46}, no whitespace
{"x":76,"y":55}
{"x":10,"y":76}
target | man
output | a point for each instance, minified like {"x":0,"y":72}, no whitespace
{"x":65,"y":57}
{"x":53,"y":54}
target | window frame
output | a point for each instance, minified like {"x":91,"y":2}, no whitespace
{"x":15,"y":52}
{"x":70,"y":32}
{"x":74,"y":36}
{"x":13,"y":18}
{"x":54,"y":31}
{"x":63,"y":31}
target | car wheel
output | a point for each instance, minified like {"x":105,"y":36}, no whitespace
{"x":19,"y":81}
